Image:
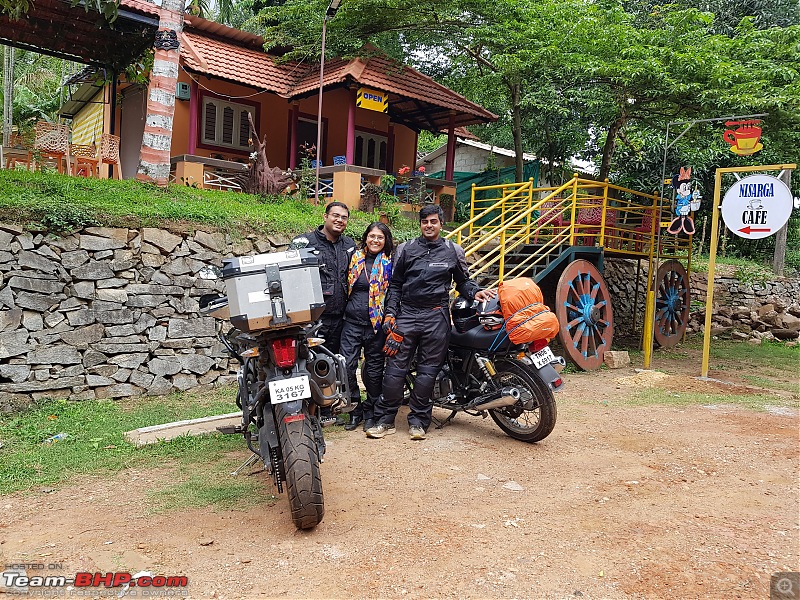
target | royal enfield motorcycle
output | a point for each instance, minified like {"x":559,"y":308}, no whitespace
{"x":487,"y":374}
{"x":285,"y":376}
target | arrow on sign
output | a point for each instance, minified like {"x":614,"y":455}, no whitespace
{"x":748,"y":230}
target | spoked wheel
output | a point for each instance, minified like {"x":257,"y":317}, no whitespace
{"x":583,"y":308}
{"x":672,"y":303}
{"x":533,"y":417}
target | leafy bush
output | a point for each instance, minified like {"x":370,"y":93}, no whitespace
{"x":64,"y":218}
{"x":753,"y":273}
{"x":793,"y":259}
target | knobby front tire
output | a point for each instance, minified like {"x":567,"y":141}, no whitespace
{"x":301,"y":463}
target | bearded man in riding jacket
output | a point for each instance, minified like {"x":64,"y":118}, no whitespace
{"x":417,"y":321}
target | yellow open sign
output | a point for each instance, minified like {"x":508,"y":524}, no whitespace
{"x":372,"y":100}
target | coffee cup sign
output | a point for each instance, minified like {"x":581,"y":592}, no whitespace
{"x":743,"y":136}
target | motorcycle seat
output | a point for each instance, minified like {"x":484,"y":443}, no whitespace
{"x":479,"y":338}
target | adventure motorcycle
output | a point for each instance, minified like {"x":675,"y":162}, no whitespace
{"x":486,"y":373}
{"x":286,"y":375}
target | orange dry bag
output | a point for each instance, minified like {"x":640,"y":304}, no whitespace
{"x":527,"y":317}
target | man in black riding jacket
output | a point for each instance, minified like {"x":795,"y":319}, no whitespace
{"x":335,"y":250}
{"x":417,"y":321}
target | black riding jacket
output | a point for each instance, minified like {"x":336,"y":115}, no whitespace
{"x":424,"y":272}
{"x":334,"y":262}
{"x":357,"y":310}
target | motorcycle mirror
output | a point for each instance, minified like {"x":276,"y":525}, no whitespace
{"x":299,"y":243}
{"x":210,"y":272}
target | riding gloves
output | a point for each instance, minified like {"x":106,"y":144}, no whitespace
{"x":388,"y":323}
{"x":393,"y":342}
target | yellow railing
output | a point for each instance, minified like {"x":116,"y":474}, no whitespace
{"x":580,"y":212}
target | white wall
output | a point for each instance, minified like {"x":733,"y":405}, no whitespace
{"x":469,"y":159}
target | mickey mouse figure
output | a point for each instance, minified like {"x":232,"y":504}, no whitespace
{"x":685,"y":198}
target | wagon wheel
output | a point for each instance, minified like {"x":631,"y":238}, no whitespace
{"x":672,"y":303}
{"x":583,"y":308}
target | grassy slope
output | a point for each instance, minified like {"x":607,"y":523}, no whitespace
{"x":61,"y":203}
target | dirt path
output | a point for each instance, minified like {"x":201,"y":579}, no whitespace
{"x":619,"y":502}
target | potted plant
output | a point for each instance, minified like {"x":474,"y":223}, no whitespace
{"x":389,"y":210}
{"x":422,"y":189}
{"x":386,"y":204}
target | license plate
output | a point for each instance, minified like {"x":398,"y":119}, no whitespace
{"x":543,"y":357}
{"x":286,"y":390}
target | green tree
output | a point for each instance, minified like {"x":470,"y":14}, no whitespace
{"x":31,"y":87}
{"x":462,"y":33}
{"x":428,"y":142}
{"x":17,"y":8}
{"x":570,"y":77}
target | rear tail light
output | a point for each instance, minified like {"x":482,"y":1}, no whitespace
{"x":538,"y":345}
{"x":557,"y":382}
{"x":285,"y":351}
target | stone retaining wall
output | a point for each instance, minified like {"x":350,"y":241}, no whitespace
{"x":761,"y":310}
{"x":110,"y":312}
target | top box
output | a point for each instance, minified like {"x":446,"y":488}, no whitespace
{"x":275,"y":290}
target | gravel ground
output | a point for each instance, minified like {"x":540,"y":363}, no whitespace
{"x":620,"y":501}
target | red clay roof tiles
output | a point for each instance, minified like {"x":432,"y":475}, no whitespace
{"x":391,"y":76}
{"x":141,"y":6}
{"x":414,"y":97}
{"x":236,"y":63}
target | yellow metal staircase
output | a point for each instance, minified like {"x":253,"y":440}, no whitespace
{"x":519,"y":230}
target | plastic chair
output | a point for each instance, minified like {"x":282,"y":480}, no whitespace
{"x":551,"y":214}
{"x":339,"y":160}
{"x":84,"y":160}
{"x":16,"y":153}
{"x":109,"y":153}
{"x":51,"y":144}
{"x":400,"y":190}
{"x":594,"y":216}
{"x":641,"y":231}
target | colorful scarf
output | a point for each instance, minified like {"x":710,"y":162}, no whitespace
{"x":378,"y":283}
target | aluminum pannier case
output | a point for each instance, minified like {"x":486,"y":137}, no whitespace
{"x":269,"y":291}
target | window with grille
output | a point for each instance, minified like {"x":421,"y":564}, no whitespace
{"x":225,"y":123}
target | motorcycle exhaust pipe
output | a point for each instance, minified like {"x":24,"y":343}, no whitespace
{"x":505,"y":397}
{"x":326,"y":388}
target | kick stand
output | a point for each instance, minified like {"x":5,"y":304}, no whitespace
{"x":251,"y":460}
{"x":440,"y":424}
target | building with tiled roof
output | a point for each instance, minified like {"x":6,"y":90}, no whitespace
{"x":224,"y":75}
